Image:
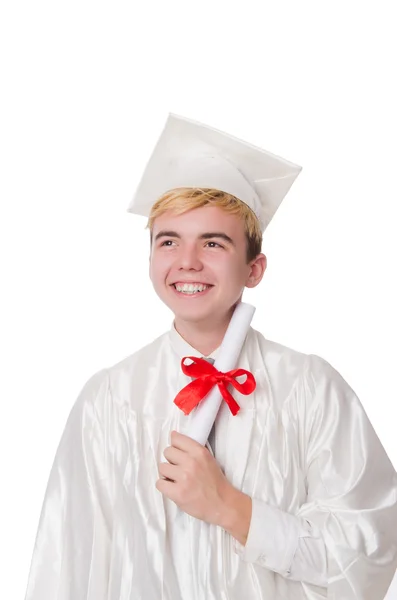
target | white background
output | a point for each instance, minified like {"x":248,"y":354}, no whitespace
{"x":86,"y":89}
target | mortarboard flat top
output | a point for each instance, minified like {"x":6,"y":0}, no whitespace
{"x":190,"y":154}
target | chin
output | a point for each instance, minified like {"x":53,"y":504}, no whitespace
{"x":192,"y":317}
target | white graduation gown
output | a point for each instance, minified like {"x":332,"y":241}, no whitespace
{"x":324,"y":509}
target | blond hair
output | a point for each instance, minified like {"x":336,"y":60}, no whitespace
{"x":180,"y":200}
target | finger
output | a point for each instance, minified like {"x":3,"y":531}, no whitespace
{"x":175,"y":456}
{"x":169,"y":471}
{"x":167,"y":488}
{"x":184,"y":442}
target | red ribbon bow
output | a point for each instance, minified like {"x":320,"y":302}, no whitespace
{"x":206,"y":377}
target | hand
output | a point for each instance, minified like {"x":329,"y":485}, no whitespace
{"x":198,"y":485}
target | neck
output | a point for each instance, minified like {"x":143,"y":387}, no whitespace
{"x":204,"y":337}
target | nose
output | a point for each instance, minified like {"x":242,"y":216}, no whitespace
{"x":189,"y":259}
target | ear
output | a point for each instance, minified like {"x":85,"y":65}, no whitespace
{"x":257,"y":270}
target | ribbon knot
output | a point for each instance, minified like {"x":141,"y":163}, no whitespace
{"x":206,"y":376}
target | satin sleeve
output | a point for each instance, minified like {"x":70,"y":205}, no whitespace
{"x":71,"y":553}
{"x":344,"y":537}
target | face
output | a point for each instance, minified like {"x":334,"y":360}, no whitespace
{"x":198,"y":264}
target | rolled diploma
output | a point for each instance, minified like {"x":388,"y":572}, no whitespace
{"x":205,"y":413}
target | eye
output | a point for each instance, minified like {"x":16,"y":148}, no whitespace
{"x":167,"y":243}
{"x":216,"y":244}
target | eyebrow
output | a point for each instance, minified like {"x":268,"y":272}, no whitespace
{"x":203,"y":236}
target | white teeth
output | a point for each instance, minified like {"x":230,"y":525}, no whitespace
{"x":190,"y":288}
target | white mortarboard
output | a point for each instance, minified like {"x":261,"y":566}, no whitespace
{"x":190,"y":154}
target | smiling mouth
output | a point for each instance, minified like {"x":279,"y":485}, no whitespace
{"x":191,"y":289}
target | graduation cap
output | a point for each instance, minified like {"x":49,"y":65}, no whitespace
{"x":190,"y":154}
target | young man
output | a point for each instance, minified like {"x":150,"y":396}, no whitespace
{"x":292,"y":498}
